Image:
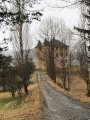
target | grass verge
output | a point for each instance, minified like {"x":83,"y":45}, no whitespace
{"x":78,"y":86}
{"x":31,"y":107}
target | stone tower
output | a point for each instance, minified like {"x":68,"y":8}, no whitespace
{"x":45,"y":54}
{"x":61,"y":53}
{"x":38,"y":51}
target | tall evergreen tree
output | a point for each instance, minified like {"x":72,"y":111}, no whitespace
{"x":1,"y":56}
{"x":85,"y":56}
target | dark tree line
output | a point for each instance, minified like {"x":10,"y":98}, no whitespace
{"x":19,"y":77}
{"x":4,"y":65}
{"x":14,"y":78}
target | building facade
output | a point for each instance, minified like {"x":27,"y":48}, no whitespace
{"x":61,"y":54}
{"x":88,"y":54}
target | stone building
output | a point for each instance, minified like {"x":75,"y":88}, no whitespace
{"x":61,"y":52}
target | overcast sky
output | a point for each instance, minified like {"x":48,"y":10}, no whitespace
{"x":69,"y":15}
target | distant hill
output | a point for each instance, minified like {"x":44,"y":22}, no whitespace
{"x":32,"y":53}
{"x":8,"y":53}
{"x":11,"y":53}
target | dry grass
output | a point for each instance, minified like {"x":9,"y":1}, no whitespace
{"x":78,"y":86}
{"x":31,"y":107}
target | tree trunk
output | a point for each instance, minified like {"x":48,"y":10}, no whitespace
{"x":19,"y":97}
{"x":52,"y":61}
{"x":20,"y":28}
{"x":69,"y":83}
{"x":21,"y":42}
{"x":19,"y":94}
{"x":26,"y":89}
{"x":69,"y":80}
{"x":25,"y":83}
{"x":13,"y":94}
{"x":49,"y":64}
{"x":64,"y":83}
{"x":88,"y":89}
{"x":4,"y":85}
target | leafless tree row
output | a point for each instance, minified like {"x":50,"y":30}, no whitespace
{"x":83,"y":52}
{"x":51,"y":29}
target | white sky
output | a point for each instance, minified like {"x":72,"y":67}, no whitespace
{"x":70,"y":16}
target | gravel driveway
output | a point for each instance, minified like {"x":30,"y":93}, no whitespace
{"x":60,"y":107}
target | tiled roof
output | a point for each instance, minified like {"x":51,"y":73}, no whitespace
{"x":57,"y":43}
{"x":39,"y":44}
{"x":46,"y":42}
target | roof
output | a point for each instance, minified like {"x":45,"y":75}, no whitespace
{"x":57,"y":43}
{"x":39,"y":44}
{"x":46,"y":42}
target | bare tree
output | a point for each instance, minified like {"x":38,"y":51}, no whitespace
{"x":23,"y":72}
{"x":14,"y":13}
{"x":27,"y":39}
{"x":14,"y":82}
{"x":84,"y":72}
{"x":67,"y":3}
{"x":50,"y":29}
{"x":82,"y":54}
{"x":6,"y":61}
{"x":21,"y":42}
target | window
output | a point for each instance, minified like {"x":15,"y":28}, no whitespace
{"x":66,"y":54}
{"x":56,"y":54}
{"x":62,"y":54}
{"x":65,"y":48}
{"x":40,"y":48}
{"x":56,"y":48}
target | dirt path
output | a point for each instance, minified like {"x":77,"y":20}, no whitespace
{"x":59,"y":106}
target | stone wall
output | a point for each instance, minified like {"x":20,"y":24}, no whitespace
{"x":45,"y":57}
{"x":42,"y":57}
{"x":63,"y":54}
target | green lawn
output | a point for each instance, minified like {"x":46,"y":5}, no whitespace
{"x":7,"y":102}
{"x":4,"y":101}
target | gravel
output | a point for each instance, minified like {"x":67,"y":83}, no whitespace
{"x":60,"y":107}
